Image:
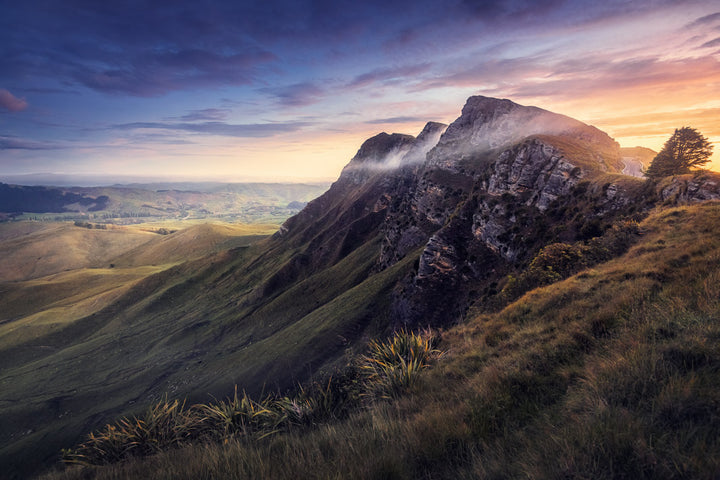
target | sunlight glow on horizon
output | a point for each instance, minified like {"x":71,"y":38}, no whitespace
{"x":299,"y":99}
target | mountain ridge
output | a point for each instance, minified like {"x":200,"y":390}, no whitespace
{"x":394,"y":242}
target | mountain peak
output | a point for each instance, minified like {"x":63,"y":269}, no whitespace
{"x":385,"y":152}
{"x":376,"y":148}
{"x":488,"y":123}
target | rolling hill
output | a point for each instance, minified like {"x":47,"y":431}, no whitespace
{"x":133,"y":203}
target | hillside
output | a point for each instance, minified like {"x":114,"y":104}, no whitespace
{"x":35,"y":249}
{"x":417,"y":231}
{"x":193,"y":242}
{"x":611,"y":373}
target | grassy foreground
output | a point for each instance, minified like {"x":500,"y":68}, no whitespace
{"x":611,"y":373}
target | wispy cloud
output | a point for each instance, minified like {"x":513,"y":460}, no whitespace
{"x":250,"y":130}
{"x":205,"y":114}
{"x":10,"y":102}
{"x":406,"y":119}
{"x":381,"y":75}
{"x":295,"y":95}
{"x":705,"y":20}
{"x":711,"y":44}
{"x":147,"y":75}
{"x":17,"y":143}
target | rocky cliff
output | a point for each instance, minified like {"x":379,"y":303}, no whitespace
{"x":471,"y":201}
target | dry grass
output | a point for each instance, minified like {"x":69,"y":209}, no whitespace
{"x":389,"y":369}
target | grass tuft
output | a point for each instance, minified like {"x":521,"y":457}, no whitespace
{"x":392,"y":368}
{"x":388,"y":370}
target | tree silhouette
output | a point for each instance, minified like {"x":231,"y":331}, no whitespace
{"x":685,"y":149}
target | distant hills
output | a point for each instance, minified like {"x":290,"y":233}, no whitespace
{"x":121,"y":204}
{"x":425,"y":231}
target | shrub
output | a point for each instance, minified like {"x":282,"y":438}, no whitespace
{"x":389,"y":369}
{"x":557,"y":261}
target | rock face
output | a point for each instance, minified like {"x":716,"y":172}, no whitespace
{"x":695,"y":188}
{"x":537,"y":167}
{"x":470,"y":200}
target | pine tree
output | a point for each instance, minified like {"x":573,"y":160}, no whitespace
{"x":685,"y":150}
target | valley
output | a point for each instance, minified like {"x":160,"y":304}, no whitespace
{"x":158,"y":202}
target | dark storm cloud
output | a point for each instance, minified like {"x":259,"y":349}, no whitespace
{"x":252,"y":130}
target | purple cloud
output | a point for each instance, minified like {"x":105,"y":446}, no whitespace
{"x":206,"y":114}
{"x":707,"y":19}
{"x":249,"y":130}
{"x":155,"y":74}
{"x":296,"y":95}
{"x":395,"y":120}
{"x":16,"y":143}
{"x":10,"y":102}
{"x":711,"y":43}
{"x":387,"y":74}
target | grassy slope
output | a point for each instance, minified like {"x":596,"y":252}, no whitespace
{"x":193,"y":242}
{"x":151,"y":339}
{"x":32,"y":249}
{"x":612,"y":373}
{"x":45,"y":321}
{"x":74,"y":284}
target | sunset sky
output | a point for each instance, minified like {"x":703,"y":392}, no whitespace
{"x":242,"y":90}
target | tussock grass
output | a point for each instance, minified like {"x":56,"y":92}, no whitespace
{"x":390,"y":368}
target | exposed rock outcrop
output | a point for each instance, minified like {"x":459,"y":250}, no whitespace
{"x":692,"y":188}
{"x":471,"y":200}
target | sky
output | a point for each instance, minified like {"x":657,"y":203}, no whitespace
{"x":277,"y":90}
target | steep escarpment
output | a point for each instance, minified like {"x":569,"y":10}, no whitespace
{"x":479,"y":206}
